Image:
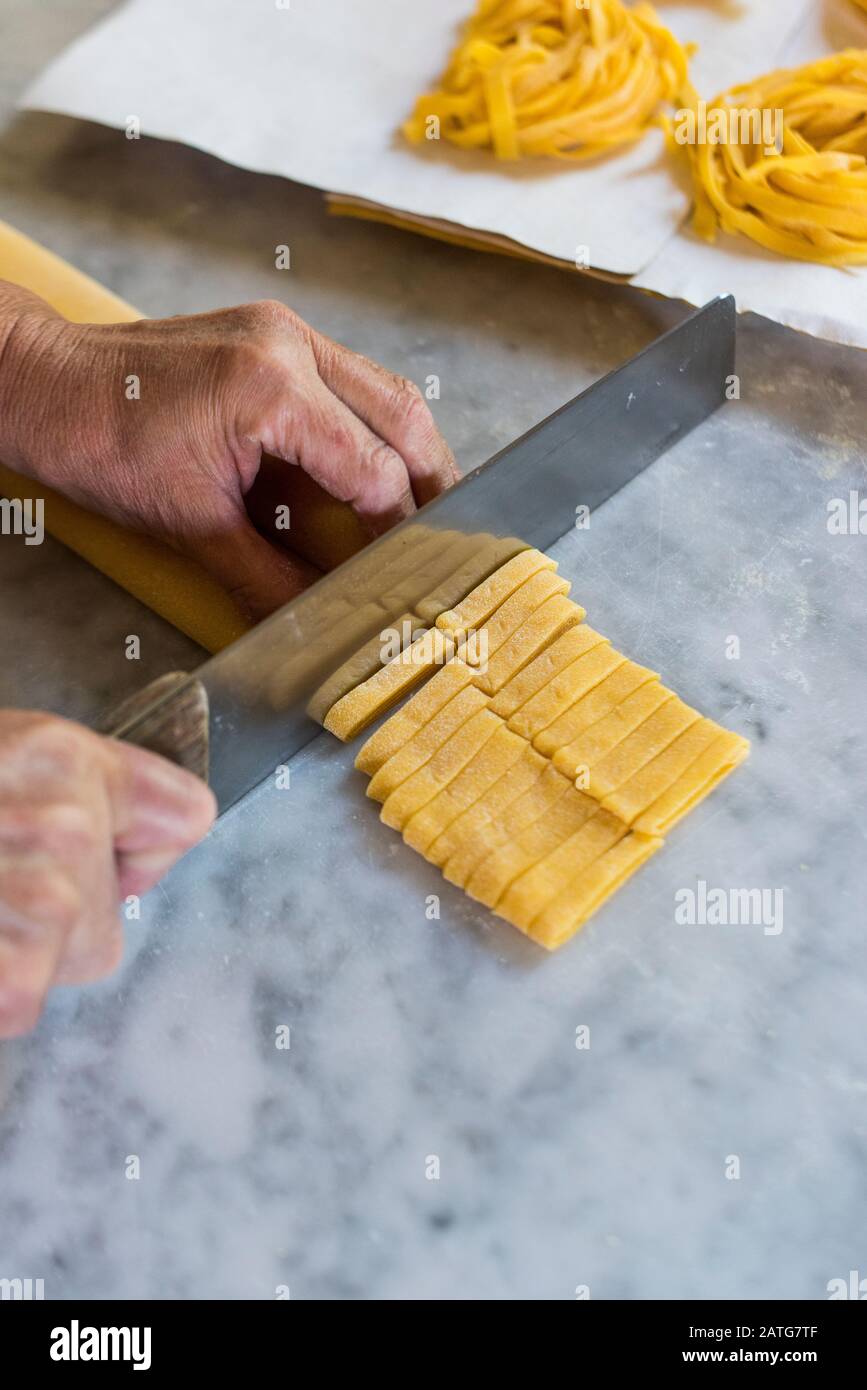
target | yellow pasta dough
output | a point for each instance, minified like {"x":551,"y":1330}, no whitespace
{"x":628,"y":756}
{"x":553,"y":77}
{"x":694,"y":784}
{"x":478,"y":605}
{"x":540,"y":672}
{"x":553,"y":700}
{"x":463,"y":835}
{"x":540,"y":789}
{"x":600,"y":700}
{"x":417,"y":584}
{"x":360,"y":666}
{"x":802,"y":195}
{"x":477,"y":566}
{"x":529,"y":894}
{"x":418,"y":710}
{"x":600,"y":738}
{"x":525,"y":847}
{"x":426,"y":741}
{"x":552,"y":617}
{"x":486,"y":766}
{"x":538,"y":800}
{"x":423,"y":784}
{"x":648,"y":783}
{"x":369,"y":700}
{"x":590,"y":888}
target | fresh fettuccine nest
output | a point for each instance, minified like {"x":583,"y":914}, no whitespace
{"x":549,"y":77}
{"x":809,"y":200}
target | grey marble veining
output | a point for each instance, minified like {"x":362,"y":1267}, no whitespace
{"x":454,"y":1038}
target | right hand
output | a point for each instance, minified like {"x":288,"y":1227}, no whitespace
{"x":215,"y":392}
{"x":85,"y":821}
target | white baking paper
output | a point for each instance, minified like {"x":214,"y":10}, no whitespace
{"x":315,"y":90}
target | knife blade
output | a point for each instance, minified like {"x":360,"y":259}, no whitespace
{"x":251,"y":699}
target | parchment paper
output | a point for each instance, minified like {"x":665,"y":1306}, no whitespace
{"x":315,"y":90}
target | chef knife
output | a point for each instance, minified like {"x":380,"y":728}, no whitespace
{"x":244,"y":712}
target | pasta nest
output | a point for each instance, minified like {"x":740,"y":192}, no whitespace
{"x":809,"y":200}
{"x":549,"y":77}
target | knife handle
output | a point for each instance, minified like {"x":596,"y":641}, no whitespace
{"x":170,"y":717}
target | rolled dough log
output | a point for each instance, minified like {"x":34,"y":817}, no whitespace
{"x":530,"y":892}
{"x":424,"y":742}
{"x":590,"y":888}
{"x":420,"y":788}
{"x":418,"y":710}
{"x":550,"y":619}
{"x":564,"y":691}
{"x":466,"y":830}
{"x":660,"y":729}
{"x":545,"y":668}
{"x":693,"y":785}
{"x":495,"y":758}
{"x":593,"y":704}
{"x":478,"y":606}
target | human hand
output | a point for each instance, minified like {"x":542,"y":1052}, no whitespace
{"x":85,"y":821}
{"x":161,"y":425}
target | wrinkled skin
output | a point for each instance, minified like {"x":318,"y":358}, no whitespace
{"x":86,"y":821}
{"x":215,"y":391}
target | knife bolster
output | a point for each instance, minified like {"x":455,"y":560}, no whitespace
{"x":169,"y":717}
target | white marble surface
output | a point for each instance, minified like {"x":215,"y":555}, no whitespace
{"x":411,"y":1037}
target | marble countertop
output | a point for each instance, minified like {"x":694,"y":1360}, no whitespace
{"x":432,"y":1131}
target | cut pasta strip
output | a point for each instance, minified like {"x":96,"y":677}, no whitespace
{"x":529,"y":894}
{"x":495,"y":758}
{"x":575,"y":642}
{"x":456,"y":586}
{"x":648,"y":784}
{"x":553,"y":77}
{"x":564,"y":691}
{"x":466,"y":831}
{"x":454,"y":550}
{"x":425,"y":742}
{"x":478,"y":648}
{"x":422,"y":786}
{"x":693,"y":785}
{"x":374,"y":696}
{"x":359,"y":667}
{"x":537,"y":801}
{"x":478,"y":606}
{"x":605,"y":696}
{"x":517,"y":825}
{"x":418,"y":710}
{"x":492,"y":832}
{"x":492,"y":876}
{"x":653,"y":735}
{"x":590,"y":888}
{"x":590,"y":747}
{"x":552,"y":617}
